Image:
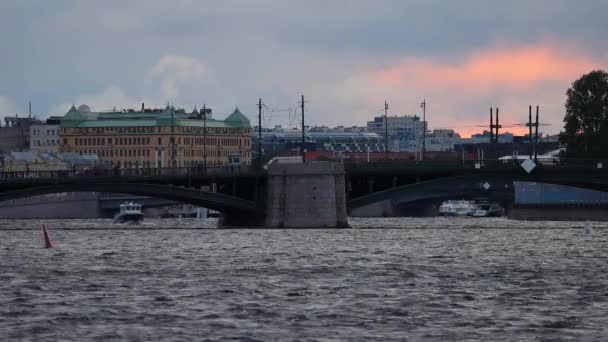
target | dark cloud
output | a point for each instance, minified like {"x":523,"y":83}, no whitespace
{"x":59,"y":51}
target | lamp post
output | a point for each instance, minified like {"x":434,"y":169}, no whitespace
{"x":205,"y":138}
{"x":385,"y":130}
{"x":423,"y":106}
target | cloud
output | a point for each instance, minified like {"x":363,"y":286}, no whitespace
{"x":346,"y":59}
{"x":461,"y":89}
{"x":111,"y":97}
{"x":6,"y":106}
{"x":172,"y":69}
{"x":504,"y":66}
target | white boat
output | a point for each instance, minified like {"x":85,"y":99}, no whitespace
{"x":129,"y":212}
{"x":457,"y":208}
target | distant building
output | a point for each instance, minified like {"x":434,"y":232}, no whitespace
{"x":44,"y":137}
{"x":36,"y":161}
{"x":404,"y":132}
{"x":442,"y":140}
{"x":484,"y":138}
{"x":157,"y":138}
{"x":31,"y":161}
{"x":332,"y":141}
{"x":15,"y":134}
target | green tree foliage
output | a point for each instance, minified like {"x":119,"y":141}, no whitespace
{"x":586,"y":121}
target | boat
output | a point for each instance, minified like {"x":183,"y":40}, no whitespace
{"x":487,"y":209}
{"x":473,"y":208}
{"x":457,"y":208}
{"x":129,"y":213}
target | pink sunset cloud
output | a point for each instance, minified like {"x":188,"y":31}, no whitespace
{"x":508,"y":76}
{"x":505,"y":66}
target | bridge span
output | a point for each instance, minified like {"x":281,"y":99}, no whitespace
{"x":251,"y":194}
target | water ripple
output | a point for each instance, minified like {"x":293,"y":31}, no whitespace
{"x":467,"y":282}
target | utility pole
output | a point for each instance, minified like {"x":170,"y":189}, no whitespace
{"x":423,"y":105}
{"x":205,"y":138}
{"x":491,"y":125}
{"x":497,"y":125}
{"x":536,"y":137}
{"x":260,"y":133}
{"x":530,"y":129}
{"x":385,"y":130}
{"x":303,"y":138}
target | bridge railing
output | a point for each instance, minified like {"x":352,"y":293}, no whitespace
{"x":215,"y":171}
{"x":565,"y":163}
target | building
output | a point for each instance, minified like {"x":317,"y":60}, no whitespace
{"x":442,"y":140}
{"x":44,"y":137}
{"x":157,"y":138}
{"x":484,"y":138}
{"x":404,"y":132}
{"x":36,"y":161}
{"x":15,"y":134}
{"x":31,"y":161}
{"x":274,"y":142}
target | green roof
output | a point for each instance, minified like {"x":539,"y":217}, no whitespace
{"x":238,"y":118}
{"x":165,"y":117}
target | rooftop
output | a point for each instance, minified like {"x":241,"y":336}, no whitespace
{"x":168,"y":116}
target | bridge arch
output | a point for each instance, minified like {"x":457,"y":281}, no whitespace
{"x":470,"y":186}
{"x":220,"y":202}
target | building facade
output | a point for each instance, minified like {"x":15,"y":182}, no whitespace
{"x":44,"y":138}
{"x":330,"y":141}
{"x":157,"y":138}
{"x":15,"y":134}
{"x":404,"y":132}
{"x":442,"y":140}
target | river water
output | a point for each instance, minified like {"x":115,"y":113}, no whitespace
{"x":414,"y":280}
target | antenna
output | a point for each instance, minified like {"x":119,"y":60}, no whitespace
{"x":303,"y":139}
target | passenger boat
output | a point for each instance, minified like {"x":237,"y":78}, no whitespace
{"x":129,"y":213}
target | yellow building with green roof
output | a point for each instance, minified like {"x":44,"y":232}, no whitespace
{"x":157,"y":138}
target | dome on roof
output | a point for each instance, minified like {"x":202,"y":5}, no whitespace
{"x":73,"y":114}
{"x":83,"y":108}
{"x":237,"y":118}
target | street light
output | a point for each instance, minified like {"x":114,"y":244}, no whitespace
{"x":423,"y":106}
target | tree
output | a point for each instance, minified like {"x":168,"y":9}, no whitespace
{"x":586,"y":121}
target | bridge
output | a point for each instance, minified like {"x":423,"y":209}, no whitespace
{"x":248,"y":195}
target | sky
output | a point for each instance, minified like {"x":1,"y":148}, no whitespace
{"x":346,"y":57}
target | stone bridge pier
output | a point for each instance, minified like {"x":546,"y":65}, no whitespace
{"x":310,"y":195}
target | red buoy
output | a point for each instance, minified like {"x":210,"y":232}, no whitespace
{"x":47,"y":238}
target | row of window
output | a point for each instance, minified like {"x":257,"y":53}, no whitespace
{"x":49,"y":132}
{"x":157,"y":129}
{"x":146,"y":153}
{"x":46,"y":142}
{"x":146,"y":164}
{"x":146,"y":141}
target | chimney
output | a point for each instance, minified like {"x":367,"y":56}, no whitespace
{"x":142,"y":106}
